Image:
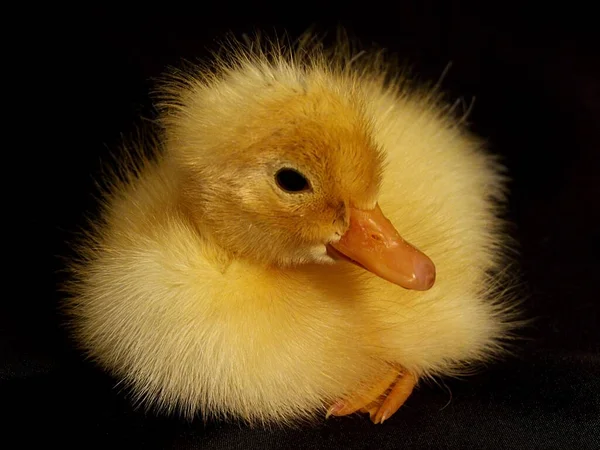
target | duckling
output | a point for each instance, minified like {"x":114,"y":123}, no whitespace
{"x":311,"y":238}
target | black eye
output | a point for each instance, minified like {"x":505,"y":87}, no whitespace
{"x":291,"y":180}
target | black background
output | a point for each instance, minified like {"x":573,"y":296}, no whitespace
{"x":81,"y":78}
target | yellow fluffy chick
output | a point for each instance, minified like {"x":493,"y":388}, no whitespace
{"x":312,"y":237}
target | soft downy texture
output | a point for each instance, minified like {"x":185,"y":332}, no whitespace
{"x":203,"y":297}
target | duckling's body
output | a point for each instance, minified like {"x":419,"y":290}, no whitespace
{"x":205,"y":291}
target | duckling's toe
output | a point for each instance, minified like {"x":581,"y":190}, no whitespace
{"x":381,"y":401}
{"x":399,"y":393}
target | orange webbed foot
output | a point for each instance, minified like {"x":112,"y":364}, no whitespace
{"x":382,"y":400}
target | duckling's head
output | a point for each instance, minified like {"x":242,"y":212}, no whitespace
{"x":278,"y":165}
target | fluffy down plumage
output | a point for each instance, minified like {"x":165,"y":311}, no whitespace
{"x":207,"y":289}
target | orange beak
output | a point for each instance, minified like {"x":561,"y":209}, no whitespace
{"x":373,"y":243}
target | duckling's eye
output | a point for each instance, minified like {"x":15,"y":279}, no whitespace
{"x":291,"y":180}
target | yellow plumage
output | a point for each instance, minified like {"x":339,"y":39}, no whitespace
{"x":209,"y":290}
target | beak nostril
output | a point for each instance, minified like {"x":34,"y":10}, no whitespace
{"x":376,"y":237}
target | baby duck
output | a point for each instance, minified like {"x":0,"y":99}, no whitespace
{"x":311,"y":237}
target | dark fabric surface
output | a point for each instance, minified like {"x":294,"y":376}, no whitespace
{"x":85,"y":80}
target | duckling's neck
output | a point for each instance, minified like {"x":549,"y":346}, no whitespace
{"x":219,"y":256}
